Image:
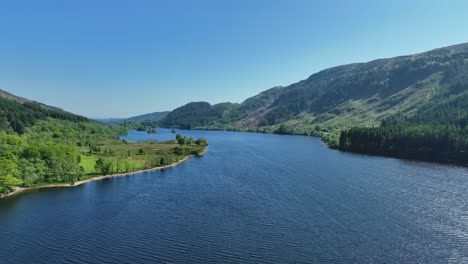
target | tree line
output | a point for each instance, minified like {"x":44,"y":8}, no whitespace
{"x":438,"y":132}
{"x":45,"y":147}
{"x":15,"y":116}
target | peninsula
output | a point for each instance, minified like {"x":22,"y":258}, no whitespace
{"x":43,"y":147}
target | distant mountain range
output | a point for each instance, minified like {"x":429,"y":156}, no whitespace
{"x":359,"y":94}
{"x":149,"y":119}
{"x":152,"y":117}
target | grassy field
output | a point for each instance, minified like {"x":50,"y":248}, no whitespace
{"x":87,"y":162}
{"x":122,"y":157}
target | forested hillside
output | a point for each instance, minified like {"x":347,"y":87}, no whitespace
{"x":16,"y":116}
{"x":366,"y":93}
{"x":151,"y":119}
{"x":438,"y":132}
{"x":39,"y":144}
{"x":360,"y":94}
{"x":192,"y":115}
{"x":44,"y":145}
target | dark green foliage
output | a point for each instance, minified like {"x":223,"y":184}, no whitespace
{"x":191,"y":115}
{"x":103,"y":166}
{"x":151,"y":131}
{"x":184,"y":150}
{"x":188,"y":146}
{"x":263,"y":99}
{"x":32,"y":161}
{"x":201,"y":142}
{"x":438,"y":132}
{"x":225,"y":108}
{"x":151,"y":120}
{"x":180,"y":150}
{"x":283,"y":130}
{"x":8,"y":173}
{"x":196,"y":151}
{"x":180,"y":139}
{"x":141,"y":127}
{"x":443,"y":143}
{"x":18,"y":116}
{"x":138,"y":126}
{"x":47,"y":152}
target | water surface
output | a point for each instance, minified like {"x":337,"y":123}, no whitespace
{"x":252,"y":198}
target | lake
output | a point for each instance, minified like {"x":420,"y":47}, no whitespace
{"x":252,"y":198}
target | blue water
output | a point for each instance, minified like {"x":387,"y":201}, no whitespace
{"x":252,"y":198}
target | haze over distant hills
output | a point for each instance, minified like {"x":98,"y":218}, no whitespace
{"x":151,"y":118}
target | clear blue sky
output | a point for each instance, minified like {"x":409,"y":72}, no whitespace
{"x":112,"y":58}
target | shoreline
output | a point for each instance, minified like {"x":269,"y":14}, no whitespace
{"x":19,"y":190}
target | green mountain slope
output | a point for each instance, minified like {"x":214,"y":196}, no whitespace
{"x":438,"y":131}
{"x":148,"y":117}
{"x":13,"y":97}
{"x":42,"y":145}
{"x":223,"y":115}
{"x":7,"y":95}
{"x":360,"y":94}
{"x":192,"y":115}
{"x":364,"y":94}
{"x":17,"y":114}
{"x":151,"y":118}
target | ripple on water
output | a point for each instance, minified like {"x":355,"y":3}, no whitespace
{"x":251,"y":199}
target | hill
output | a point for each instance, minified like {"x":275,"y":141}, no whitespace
{"x":192,"y":115}
{"x":151,"y":117}
{"x":110,"y":120}
{"x":17,"y":113}
{"x":360,"y":94}
{"x":42,"y":145}
{"x":366,"y":93}
{"x":13,"y":97}
{"x":7,"y":95}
